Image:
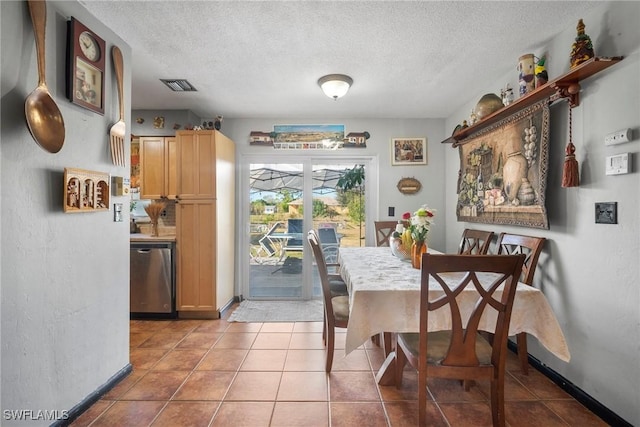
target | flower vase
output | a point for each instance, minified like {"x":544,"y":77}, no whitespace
{"x":417,"y":249}
{"x":154,"y":228}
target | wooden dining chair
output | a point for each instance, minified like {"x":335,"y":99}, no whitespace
{"x":384,"y":229}
{"x":461,"y":352}
{"x":336,"y":284}
{"x":475,"y":242}
{"x":531,"y":247}
{"x":336,"y":308}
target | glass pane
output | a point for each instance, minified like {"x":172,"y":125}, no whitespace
{"x":276,"y":231}
{"x":338,"y":214}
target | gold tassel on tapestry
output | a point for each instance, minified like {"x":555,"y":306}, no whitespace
{"x":570,"y":174}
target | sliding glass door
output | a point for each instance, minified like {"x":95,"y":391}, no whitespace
{"x":286,"y":199}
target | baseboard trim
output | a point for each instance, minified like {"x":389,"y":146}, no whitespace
{"x":606,"y":414}
{"x":79,"y":409}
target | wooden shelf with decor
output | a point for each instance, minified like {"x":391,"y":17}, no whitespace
{"x":565,"y":86}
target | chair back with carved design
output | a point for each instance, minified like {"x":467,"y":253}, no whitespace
{"x":461,"y":352}
{"x":475,"y":242}
{"x":384,"y":230}
{"x":531,"y":247}
{"x":509,"y":244}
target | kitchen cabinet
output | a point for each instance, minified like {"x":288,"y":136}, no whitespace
{"x":158,"y":167}
{"x":205,"y":223}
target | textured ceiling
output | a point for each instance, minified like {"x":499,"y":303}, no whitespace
{"x":263,"y":59}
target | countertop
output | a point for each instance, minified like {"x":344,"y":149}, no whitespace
{"x":140,"y":237}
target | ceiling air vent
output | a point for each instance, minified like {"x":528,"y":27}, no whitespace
{"x":179,"y":85}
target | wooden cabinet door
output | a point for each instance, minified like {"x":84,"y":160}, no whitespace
{"x":158,"y":167}
{"x":152,"y":185}
{"x":196,"y":270}
{"x":171,"y":167}
{"x":196,"y":165}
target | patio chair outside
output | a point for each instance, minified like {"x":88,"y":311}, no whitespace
{"x":268,"y":250}
{"x":294,"y":225}
{"x":330,"y":243}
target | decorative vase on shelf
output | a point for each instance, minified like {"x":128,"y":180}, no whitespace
{"x":417,"y":249}
{"x":515,"y":168}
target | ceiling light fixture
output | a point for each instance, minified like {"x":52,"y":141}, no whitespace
{"x":335,"y":85}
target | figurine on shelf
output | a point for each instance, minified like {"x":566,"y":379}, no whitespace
{"x":541,"y":72}
{"x":473,"y":118}
{"x":218,"y":123}
{"x":526,"y":74}
{"x":506,"y":94}
{"x":582,"y":48}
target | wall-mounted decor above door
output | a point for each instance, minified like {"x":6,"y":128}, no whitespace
{"x":503,"y":171}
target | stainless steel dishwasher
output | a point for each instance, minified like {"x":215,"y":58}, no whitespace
{"x":152,"y":280}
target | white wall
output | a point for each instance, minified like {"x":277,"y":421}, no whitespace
{"x":64,"y":277}
{"x":432,"y":176}
{"x":182,"y":118}
{"x":589,"y":272}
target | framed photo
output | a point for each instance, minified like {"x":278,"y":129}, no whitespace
{"x":408,"y":151}
{"x":85,"y":67}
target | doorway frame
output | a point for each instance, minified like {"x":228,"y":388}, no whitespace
{"x":371,"y":163}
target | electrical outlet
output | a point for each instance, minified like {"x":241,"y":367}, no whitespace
{"x":618,"y":137}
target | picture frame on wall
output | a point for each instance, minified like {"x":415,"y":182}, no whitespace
{"x":408,"y":151}
{"x":85,"y":67}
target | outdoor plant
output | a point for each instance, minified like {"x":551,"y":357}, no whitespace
{"x":353,"y":180}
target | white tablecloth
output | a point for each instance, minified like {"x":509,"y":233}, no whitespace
{"x":385,"y":297}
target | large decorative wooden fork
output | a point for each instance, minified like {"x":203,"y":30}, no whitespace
{"x":118,"y":130}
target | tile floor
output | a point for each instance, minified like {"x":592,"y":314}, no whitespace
{"x":215,"y":373}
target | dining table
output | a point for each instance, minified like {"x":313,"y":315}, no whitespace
{"x":384,"y":297}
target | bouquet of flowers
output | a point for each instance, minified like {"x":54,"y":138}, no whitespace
{"x":420,"y":222}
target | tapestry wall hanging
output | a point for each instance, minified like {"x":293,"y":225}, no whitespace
{"x":503,"y":171}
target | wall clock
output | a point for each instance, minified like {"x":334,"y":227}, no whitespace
{"x":85,"y":67}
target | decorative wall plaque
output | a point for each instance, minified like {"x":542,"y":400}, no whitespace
{"x":85,"y":191}
{"x":409,"y":185}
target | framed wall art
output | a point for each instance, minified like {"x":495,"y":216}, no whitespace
{"x":85,"y":190}
{"x":503,"y":171}
{"x":85,"y":67}
{"x":408,"y":151}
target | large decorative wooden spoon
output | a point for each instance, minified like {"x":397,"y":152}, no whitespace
{"x":43,"y":115}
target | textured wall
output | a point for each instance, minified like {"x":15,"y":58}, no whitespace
{"x":589,"y":272}
{"x":65,"y":277}
{"x":431,"y":176}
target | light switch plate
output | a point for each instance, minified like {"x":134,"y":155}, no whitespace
{"x":117,"y":212}
{"x":618,"y":164}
